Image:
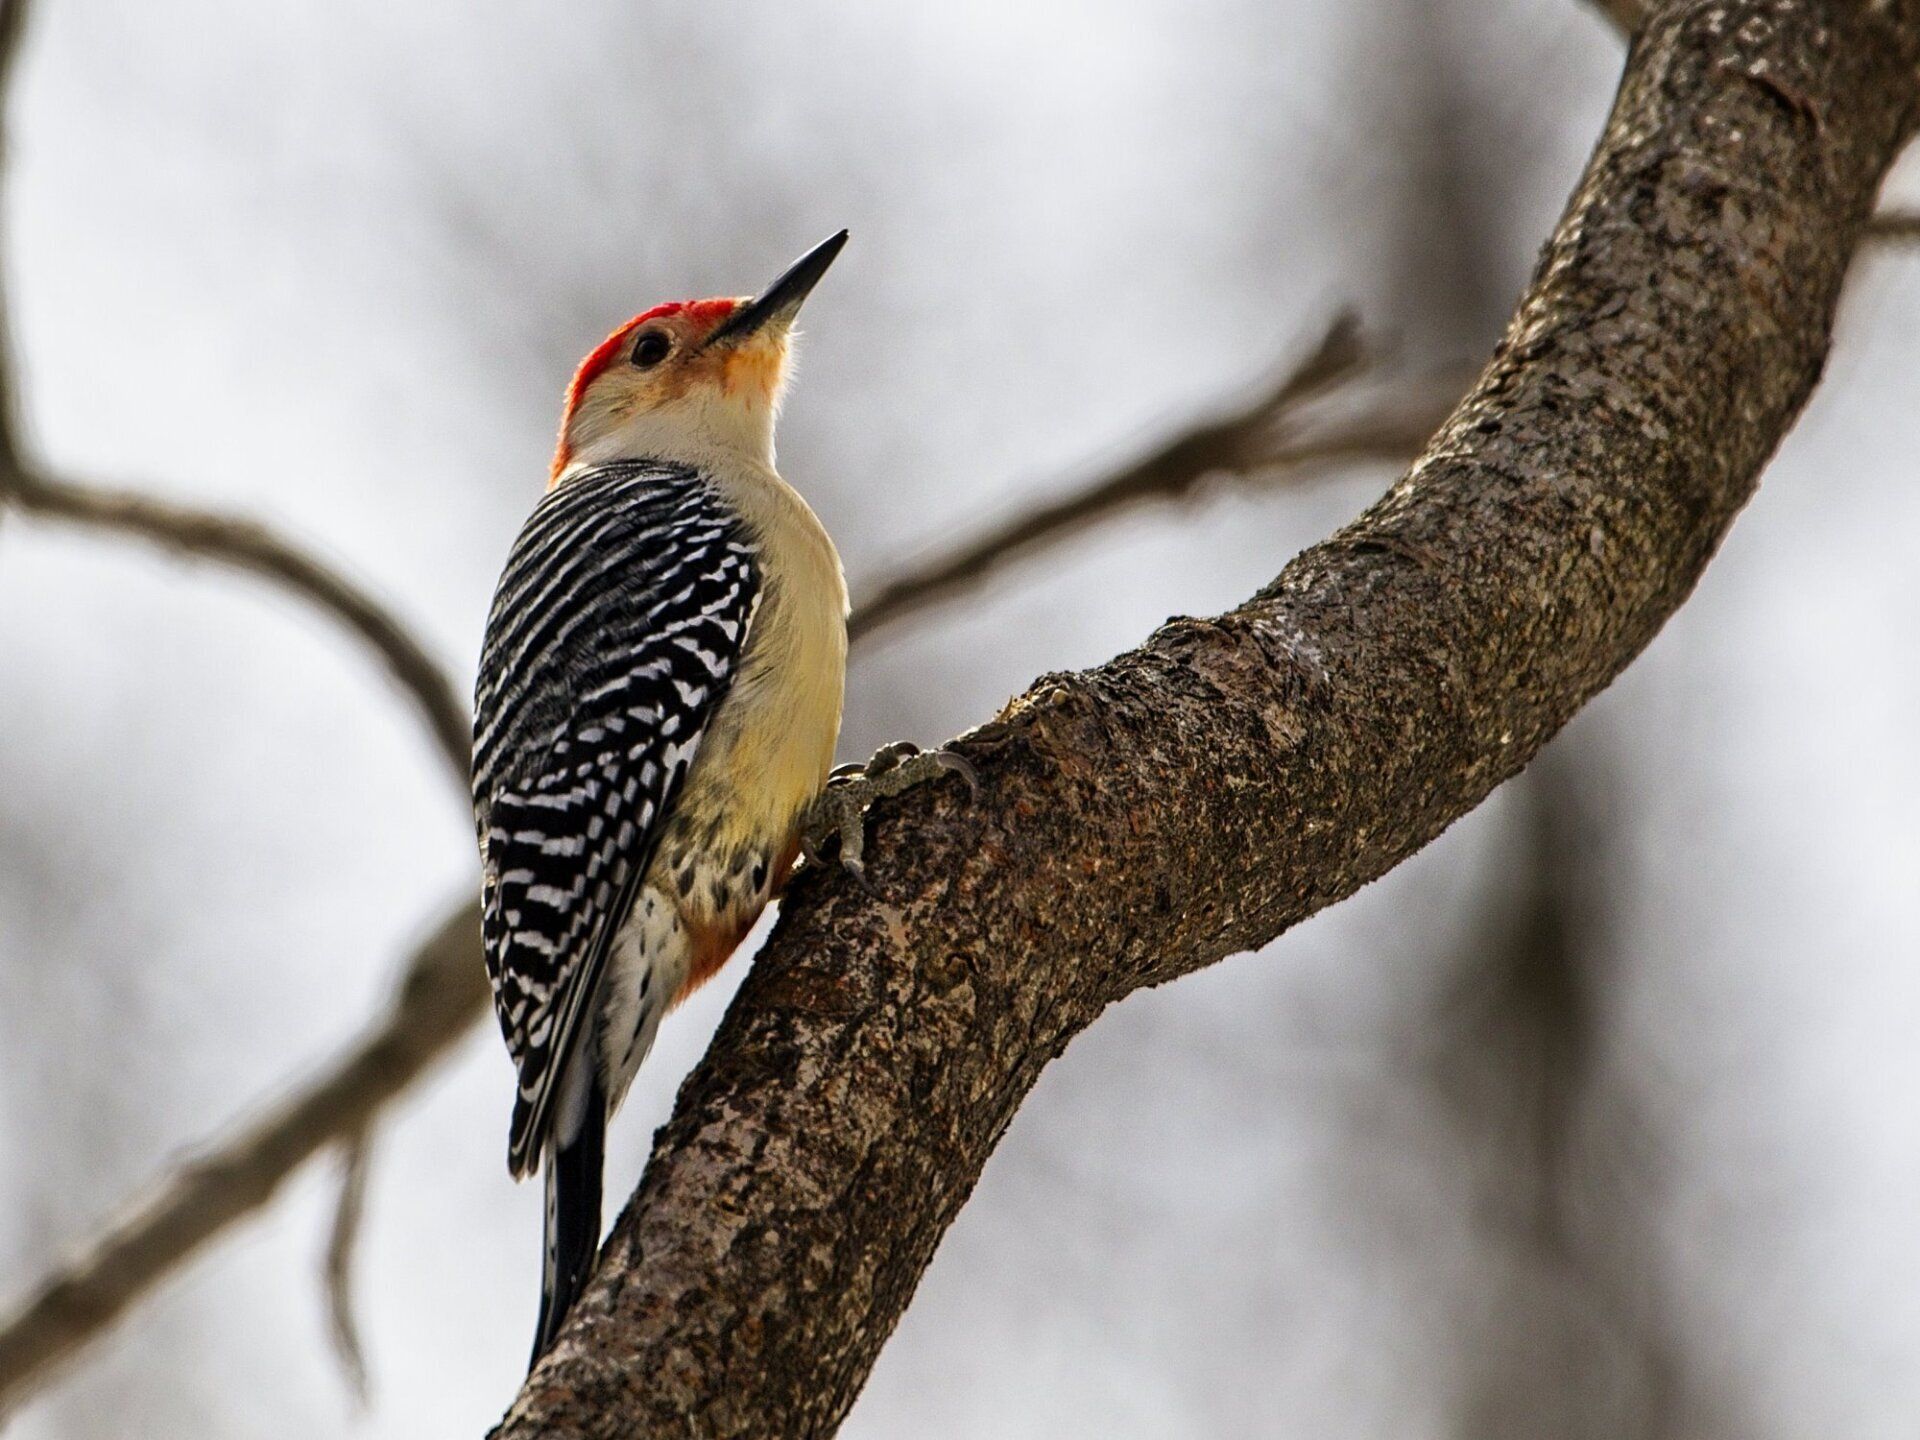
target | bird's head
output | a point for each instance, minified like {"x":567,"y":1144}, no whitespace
{"x":695,"y":381}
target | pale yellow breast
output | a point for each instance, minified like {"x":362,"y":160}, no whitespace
{"x":768,"y":748}
{"x":780,"y":723}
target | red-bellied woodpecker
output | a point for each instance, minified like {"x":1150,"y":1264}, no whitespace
{"x":658,"y":704}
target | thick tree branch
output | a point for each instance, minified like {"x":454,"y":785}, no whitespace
{"x":1201,"y":794}
{"x":443,"y":987}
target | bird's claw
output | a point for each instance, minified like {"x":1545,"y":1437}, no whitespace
{"x":840,"y":812}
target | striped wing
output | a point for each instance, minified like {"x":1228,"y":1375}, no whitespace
{"x":614,"y":634}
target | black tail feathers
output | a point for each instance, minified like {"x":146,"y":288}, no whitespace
{"x":573,"y":1170}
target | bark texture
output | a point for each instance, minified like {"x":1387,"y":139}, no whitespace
{"x":1197,"y":796}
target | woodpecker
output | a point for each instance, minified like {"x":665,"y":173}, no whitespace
{"x":658,"y":702}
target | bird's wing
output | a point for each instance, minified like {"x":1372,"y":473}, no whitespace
{"x":617,"y":629}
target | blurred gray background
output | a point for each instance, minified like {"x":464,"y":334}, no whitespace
{"x":1598,"y":1119}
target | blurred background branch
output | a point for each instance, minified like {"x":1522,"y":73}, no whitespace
{"x":1275,"y":438}
{"x":1894,"y":225}
{"x":342,"y":1238}
{"x":13,"y":30}
{"x":249,"y":546}
{"x":444,"y":993}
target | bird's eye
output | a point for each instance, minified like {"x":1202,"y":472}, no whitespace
{"x":651,"y":349}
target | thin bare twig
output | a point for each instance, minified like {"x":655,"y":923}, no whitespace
{"x":1892,"y":226}
{"x":443,"y":991}
{"x":444,"y":994}
{"x":13,"y":31}
{"x":1262,"y":440}
{"x":341,"y":1239}
{"x":247,"y":545}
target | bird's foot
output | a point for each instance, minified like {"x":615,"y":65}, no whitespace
{"x":840,"y":812}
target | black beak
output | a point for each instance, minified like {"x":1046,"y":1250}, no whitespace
{"x":782,"y":299}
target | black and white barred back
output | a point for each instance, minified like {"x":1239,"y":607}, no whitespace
{"x":616,"y":631}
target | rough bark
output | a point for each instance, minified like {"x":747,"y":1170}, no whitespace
{"x":1197,"y":796}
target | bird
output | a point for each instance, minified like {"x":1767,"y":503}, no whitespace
{"x":656,"y":713}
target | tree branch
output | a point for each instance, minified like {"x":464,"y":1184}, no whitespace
{"x":1272,"y":436}
{"x":1894,"y":226}
{"x":1199,"y":795}
{"x":443,"y":995}
{"x":250,"y":546}
{"x":443,"y":987}
{"x":13,"y":35}
{"x":342,"y":1237}
{"x":1624,"y":15}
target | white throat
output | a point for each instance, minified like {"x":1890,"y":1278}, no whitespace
{"x":706,"y":430}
